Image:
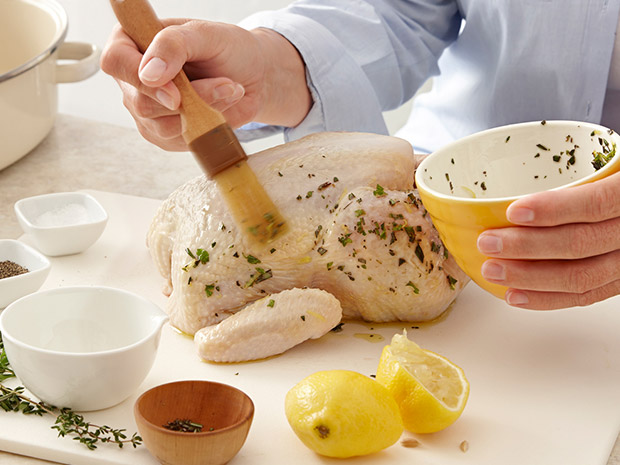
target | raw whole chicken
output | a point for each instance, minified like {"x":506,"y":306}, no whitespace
{"x":360,"y":246}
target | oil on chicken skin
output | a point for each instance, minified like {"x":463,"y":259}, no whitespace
{"x":359,"y":246}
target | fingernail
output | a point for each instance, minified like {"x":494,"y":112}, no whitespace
{"x":520,"y":215}
{"x":493,"y":271}
{"x":516,"y":298}
{"x":228,"y":92}
{"x":153,"y":70}
{"x":165,"y":99}
{"x":489,"y":244}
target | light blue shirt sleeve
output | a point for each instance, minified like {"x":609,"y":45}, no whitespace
{"x":517,"y":61}
{"x":496,"y":62}
{"x":362,"y":57}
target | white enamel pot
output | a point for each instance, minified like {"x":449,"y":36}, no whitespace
{"x":34,"y":58}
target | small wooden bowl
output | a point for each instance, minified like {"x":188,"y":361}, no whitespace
{"x":225,"y":412}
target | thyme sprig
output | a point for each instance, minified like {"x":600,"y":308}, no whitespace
{"x":14,"y":400}
{"x":6,"y":371}
{"x":68,"y":423}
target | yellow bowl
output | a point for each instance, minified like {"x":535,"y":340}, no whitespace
{"x":467,"y":185}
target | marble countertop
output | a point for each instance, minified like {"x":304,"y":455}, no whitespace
{"x":82,"y":154}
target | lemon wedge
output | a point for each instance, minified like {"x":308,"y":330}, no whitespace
{"x":342,"y":413}
{"x":431,"y":391}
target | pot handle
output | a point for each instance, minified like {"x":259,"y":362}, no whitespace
{"x":83,"y":61}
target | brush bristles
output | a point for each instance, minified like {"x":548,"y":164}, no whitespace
{"x":251,"y":207}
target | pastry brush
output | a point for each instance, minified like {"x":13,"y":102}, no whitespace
{"x":210,"y":138}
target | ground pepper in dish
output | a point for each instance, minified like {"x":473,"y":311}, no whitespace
{"x":9,"y":269}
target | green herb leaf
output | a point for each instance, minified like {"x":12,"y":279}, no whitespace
{"x":419,"y":253}
{"x":184,"y":426}
{"x":415,"y":288}
{"x":209,"y":288}
{"x":202,"y":255}
{"x":259,"y":276}
{"x":379,"y":191}
{"x":605,"y":155}
{"x":251,"y":259}
{"x":345,"y":239}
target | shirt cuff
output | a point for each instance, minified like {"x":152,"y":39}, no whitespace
{"x":344,"y":99}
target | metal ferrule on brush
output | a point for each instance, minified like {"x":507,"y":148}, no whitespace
{"x":217,"y":149}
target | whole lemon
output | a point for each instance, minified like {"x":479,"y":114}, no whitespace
{"x":341,"y":413}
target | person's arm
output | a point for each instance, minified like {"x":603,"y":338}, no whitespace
{"x":248,"y":75}
{"x":343,"y":63}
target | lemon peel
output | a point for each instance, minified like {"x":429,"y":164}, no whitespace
{"x":342,"y":413}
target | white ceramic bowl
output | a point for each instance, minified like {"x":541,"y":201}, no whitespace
{"x":33,"y":59}
{"x":38,"y":266}
{"x":87,"y":348}
{"x":64,"y":223}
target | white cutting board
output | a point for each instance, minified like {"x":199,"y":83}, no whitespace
{"x":545,"y":386}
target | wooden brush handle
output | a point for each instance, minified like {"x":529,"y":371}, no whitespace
{"x":140,"y":22}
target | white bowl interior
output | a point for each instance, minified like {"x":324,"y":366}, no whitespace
{"x":81,"y":320}
{"x":517,"y":160}
{"x":27,"y":29}
{"x":60,"y":210}
{"x":22,"y":254}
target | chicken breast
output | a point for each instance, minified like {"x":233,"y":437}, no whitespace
{"x":357,"y":230}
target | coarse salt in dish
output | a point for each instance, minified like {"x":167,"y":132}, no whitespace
{"x":66,"y":215}
{"x":61,"y":223}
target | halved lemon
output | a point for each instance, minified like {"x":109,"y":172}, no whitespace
{"x":430,"y":390}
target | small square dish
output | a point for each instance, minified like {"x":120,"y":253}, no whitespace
{"x":15,"y":257}
{"x":63,"y":223}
